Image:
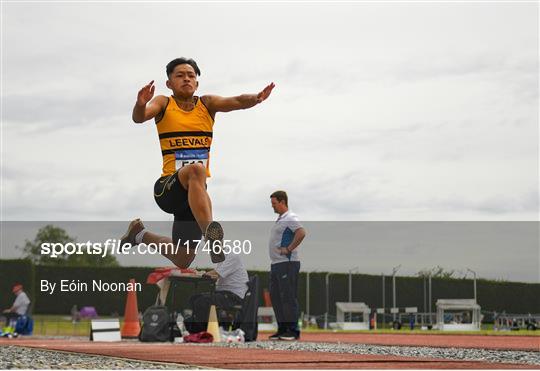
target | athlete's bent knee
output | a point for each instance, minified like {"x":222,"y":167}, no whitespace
{"x":196,"y":172}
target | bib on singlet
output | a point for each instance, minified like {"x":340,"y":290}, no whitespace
{"x":185,"y":137}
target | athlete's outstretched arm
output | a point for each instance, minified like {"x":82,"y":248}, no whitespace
{"x":144,"y":111}
{"x":215,"y":103}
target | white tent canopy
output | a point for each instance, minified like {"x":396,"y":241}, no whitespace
{"x":458,"y":311}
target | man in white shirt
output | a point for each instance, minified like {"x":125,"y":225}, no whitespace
{"x":285,"y":237}
{"x":20,"y":305}
{"x":231,"y":287}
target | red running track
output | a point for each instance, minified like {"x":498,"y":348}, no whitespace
{"x":499,"y":342}
{"x":233,"y":358}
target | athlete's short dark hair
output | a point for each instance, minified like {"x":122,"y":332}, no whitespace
{"x":182,"y":60}
{"x":280,"y":196}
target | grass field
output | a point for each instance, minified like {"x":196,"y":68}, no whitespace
{"x":54,"y":325}
{"x":50,"y":325}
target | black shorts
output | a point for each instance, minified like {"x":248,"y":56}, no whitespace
{"x":172,"y":198}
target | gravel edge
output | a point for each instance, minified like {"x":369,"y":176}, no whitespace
{"x":24,"y":357}
{"x":451,"y":353}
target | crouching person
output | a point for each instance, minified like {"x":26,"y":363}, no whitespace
{"x":231,"y":287}
{"x":20,"y":306}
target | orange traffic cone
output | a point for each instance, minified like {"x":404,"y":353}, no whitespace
{"x":131,"y":326}
{"x":213,"y":325}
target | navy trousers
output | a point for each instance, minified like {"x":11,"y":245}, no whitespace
{"x":284,"y":295}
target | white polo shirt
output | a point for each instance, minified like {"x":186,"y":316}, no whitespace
{"x":21,"y":303}
{"x":281,"y":235}
{"x":233,"y":276}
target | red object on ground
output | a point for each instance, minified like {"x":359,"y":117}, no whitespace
{"x":131,"y":327}
{"x":199,"y":337}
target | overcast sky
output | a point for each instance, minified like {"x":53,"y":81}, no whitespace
{"x":389,"y":111}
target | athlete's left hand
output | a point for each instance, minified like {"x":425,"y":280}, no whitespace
{"x":265,"y":93}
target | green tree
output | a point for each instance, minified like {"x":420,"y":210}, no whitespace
{"x":52,"y":234}
{"x":437,"y":272}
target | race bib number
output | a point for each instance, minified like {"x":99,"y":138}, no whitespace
{"x":191,"y":156}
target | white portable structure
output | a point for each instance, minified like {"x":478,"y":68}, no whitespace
{"x":342,"y":308}
{"x":459,"y":310}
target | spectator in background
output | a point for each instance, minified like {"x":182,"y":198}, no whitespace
{"x":20,"y":305}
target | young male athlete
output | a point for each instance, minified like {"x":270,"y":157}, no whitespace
{"x":184,"y":123}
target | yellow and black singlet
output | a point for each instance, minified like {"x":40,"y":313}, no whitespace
{"x":185,"y":137}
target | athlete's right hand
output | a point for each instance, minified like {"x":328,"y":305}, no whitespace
{"x":145,"y":94}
